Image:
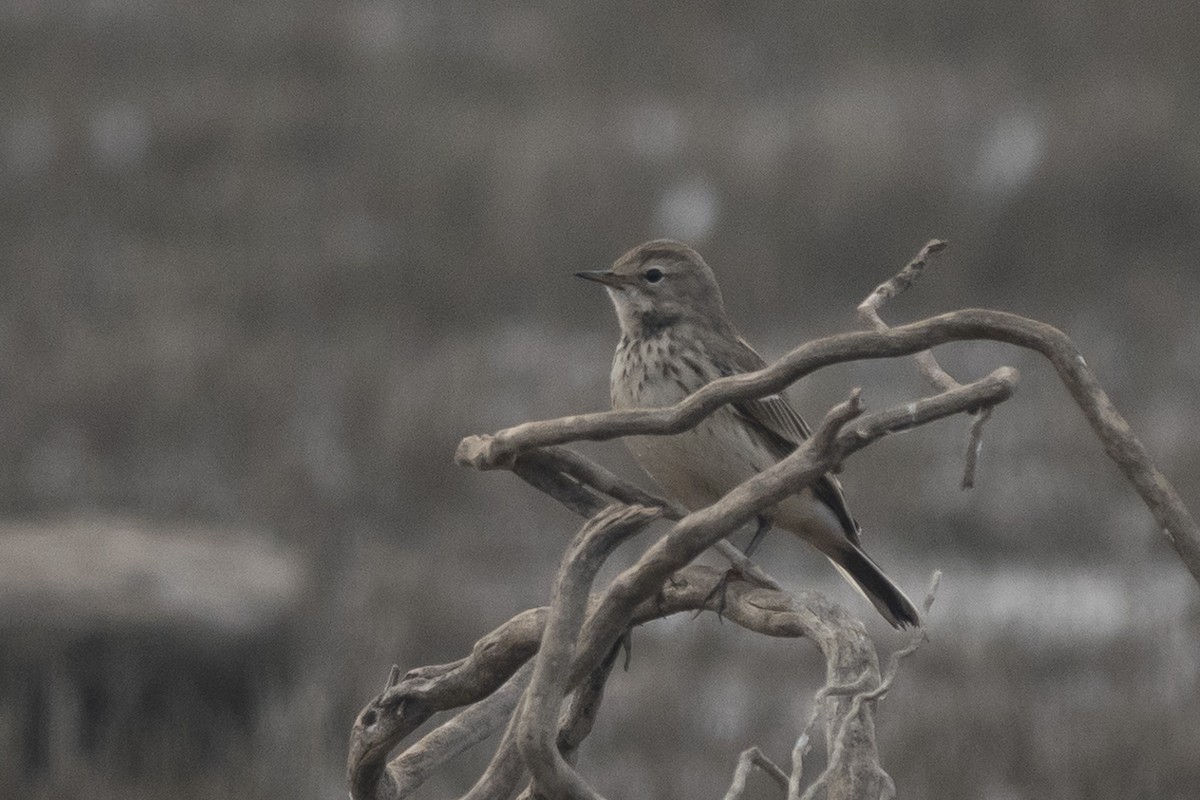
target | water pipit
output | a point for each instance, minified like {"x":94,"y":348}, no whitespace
{"x":675,"y":338}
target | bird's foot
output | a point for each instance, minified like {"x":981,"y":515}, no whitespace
{"x":660,"y":598}
{"x":720,"y":594}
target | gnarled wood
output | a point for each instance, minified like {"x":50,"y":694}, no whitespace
{"x":565,"y":651}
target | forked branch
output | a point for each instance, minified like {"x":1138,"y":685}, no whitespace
{"x":1120,"y":443}
{"x":660,"y":582}
{"x":868,"y":311}
{"x":544,"y":670}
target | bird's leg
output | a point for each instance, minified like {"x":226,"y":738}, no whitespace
{"x":719,"y":591}
{"x":764,"y":525}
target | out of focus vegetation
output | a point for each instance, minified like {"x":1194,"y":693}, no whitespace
{"x":264,"y":265}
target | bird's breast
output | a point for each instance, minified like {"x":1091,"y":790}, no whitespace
{"x":656,"y":371}
{"x":698,"y":466}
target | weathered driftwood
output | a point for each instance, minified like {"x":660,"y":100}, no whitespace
{"x":541,"y":675}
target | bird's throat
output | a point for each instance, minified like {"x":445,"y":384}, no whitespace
{"x":653,"y":323}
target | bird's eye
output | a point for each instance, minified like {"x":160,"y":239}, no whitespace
{"x":653,"y":275}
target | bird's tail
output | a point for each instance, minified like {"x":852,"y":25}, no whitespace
{"x":862,"y":573}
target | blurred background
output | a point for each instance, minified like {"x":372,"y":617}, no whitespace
{"x":263,"y":265}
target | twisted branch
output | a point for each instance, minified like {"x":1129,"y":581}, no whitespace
{"x":577,"y":638}
{"x":638,"y":594}
{"x":566,"y":476}
{"x":537,"y":728}
{"x":1118,"y":439}
{"x":387,"y":720}
{"x":928,"y":365}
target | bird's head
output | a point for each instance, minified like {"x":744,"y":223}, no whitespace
{"x":659,"y":284}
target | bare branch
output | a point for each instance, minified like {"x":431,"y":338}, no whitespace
{"x":901,"y":281}
{"x":1120,"y":443}
{"x":974,"y":446}
{"x":697,"y":531}
{"x":537,"y":722}
{"x":804,"y":740}
{"x":414,"y":766}
{"x":388,"y":719}
{"x":602,"y":480}
{"x":748,"y":760}
{"x":841,"y":735}
{"x":405,"y":705}
{"x":868,"y":311}
{"x":584,"y":704}
{"x":927,"y":363}
{"x":504,"y":772}
{"x":535,"y":469}
{"x":558,"y":472}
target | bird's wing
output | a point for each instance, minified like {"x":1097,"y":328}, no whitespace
{"x":772,"y":414}
{"x":783,"y":429}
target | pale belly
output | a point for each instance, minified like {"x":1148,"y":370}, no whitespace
{"x":698,"y":467}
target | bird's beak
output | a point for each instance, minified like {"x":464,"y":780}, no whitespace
{"x":605,"y":276}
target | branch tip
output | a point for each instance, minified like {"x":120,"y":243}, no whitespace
{"x":474,"y":451}
{"x":935,"y":582}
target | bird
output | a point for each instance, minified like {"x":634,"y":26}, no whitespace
{"x":675,"y":338}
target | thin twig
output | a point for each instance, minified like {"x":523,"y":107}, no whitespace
{"x":901,"y":281}
{"x":868,"y":310}
{"x":927,"y":363}
{"x":840,"y":742}
{"x":919,"y":637}
{"x":974,"y":446}
{"x":749,"y":759}
{"x":804,"y":740}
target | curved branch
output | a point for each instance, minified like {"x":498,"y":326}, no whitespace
{"x":1120,"y":443}
{"x":537,"y":726}
{"x":406,"y":704}
{"x":833,"y":441}
{"x":409,"y":770}
{"x":498,"y":450}
{"x":753,"y":757}
{"x":927,"y":363}
{"x":868,"y":311}
{"x":388,"y":719}
{"x":552,"y":468}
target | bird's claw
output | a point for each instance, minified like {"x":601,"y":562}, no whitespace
{"x":720,"y":592}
